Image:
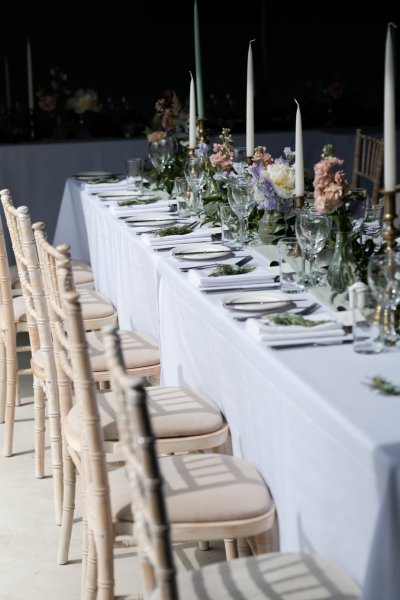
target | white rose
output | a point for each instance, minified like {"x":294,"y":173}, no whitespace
{"x":283,"y":179}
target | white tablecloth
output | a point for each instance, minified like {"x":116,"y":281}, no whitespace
{"x":328,"y":446}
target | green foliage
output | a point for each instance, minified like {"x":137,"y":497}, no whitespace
{"x":230,"y":270}
{"x":175,"y":168}
{"x":293,"y":319}
{"x":384,"y":386}
{"x":174,"y":230}
{"x":138,"y":201}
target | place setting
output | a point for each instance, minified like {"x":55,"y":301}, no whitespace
{"x":177,"y":236}
{"x":239,"y":276}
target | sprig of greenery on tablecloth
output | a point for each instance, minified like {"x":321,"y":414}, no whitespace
{"x":293,"y":319}
{"x":222,"y":270}
{"x":384,"y":386}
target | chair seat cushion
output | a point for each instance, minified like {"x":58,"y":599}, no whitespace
{"x":19,"y":312}
{"x":95,"y":305}
{"x":139,"y":350}
{"x":190,"y":480}
{"x":82,"y":273}
{"x":175,"y":412}
{"x":272,"y":576}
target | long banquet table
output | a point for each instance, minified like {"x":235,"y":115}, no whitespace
{"x":327,"y":446}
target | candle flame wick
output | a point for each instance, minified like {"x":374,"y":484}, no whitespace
{"x":251,"y":41}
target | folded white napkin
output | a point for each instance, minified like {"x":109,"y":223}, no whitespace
{"x":103,"y":187}
{"x":273,"y":334}
{"x":202,"y":278}
{"x":130,"y":211}
{"x":168,"y":241}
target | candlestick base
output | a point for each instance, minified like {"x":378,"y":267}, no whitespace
{"x":389,"y":231}
{"x":31,"y":125}
{"x":202,"y":132}
{"x":298,"y":202}
{"x":190,"y":152}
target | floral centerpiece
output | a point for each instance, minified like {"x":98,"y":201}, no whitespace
{"x":170,"y":122}
{"x":274,"y":181}
{"x":346,"y":207}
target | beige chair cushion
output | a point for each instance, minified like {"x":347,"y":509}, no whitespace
{"x":273,"y":576}
{"x":139,"y":350}
{"x":95,"y":305}
{"x":174,"y":411}
{"x":19,"y":311}
{"x":82,"y":273}
{"x":237,"y":490}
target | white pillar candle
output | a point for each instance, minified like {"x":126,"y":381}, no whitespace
{"x":389,"y":118}
{"x":250,"y":104}
{"x":192,"y":114}
{"x":31,"y":103}
{"x":299,"y":157}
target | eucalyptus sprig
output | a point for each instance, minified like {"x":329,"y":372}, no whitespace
{"x":230,"y":270}
{"x":384,"y":386}
{"x":138,"y":201}
{"x":174,"y":230}
{"x":293,"y":319}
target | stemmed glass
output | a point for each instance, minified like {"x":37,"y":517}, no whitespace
{"x":159,"y":153}
{"x":312,"y":231}
{"x":239,"y":160}
{"x":195,"y":174}
{"x":242,"y":201}
{"x":384,"y":282}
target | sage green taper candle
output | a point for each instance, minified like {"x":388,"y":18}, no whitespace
{"x":197,"y":56}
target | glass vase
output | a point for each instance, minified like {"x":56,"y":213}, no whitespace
{"x":271,"y":227}
{"x":342,"y":268}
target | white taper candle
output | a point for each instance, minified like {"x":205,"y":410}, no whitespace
{"x":299,"y":160}
{"x":389,"y":117}
{"x":31,"y":103}
{"x":250,"y":104}
{"x":192,"y":114}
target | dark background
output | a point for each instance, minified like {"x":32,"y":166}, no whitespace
{"x":329,"y":60}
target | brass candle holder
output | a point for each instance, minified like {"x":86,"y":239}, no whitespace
{"x":298,"y":202}
{"x":190,"y":152}
{"x":389,"y":231}
{"x":202,"y":131}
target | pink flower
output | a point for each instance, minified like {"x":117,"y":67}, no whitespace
{"x":47,"y":103}
{"x":261,"y":157}
{"x":329,"y":186}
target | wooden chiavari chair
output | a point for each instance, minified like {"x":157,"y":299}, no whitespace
{"x":368,"y":163}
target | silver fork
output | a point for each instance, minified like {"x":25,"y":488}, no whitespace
{"x":308,"y":310}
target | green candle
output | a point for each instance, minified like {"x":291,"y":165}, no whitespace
{"x":197,"y":56}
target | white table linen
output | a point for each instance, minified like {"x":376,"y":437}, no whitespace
{"x":327,"y":446}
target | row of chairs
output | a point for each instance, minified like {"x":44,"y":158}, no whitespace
{"x":184,"y":494}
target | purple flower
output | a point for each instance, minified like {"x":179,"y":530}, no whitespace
{"x":201,"y":150}
{"x":268,"y":200}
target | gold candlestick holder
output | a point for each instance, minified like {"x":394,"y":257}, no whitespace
{"x":202,"y":132}
{"x":31,"y":125}
{"x":298,"y":202}
{"x":190,"y":152}
{"x":389,"y":231}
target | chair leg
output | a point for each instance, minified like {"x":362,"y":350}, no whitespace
{"x":68,"y":507}
{"x":2,"y":381}
{"x":105,"y":564}
{"x":38,"y":401}
{"x":90,"y":579}
{"x":204,"y":546}
{"x":56,"y":452}
{"x":231,"y":549}
{"x":11,"y":376}
{"x":17,"y":393}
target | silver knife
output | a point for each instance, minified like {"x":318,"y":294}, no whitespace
{"x":241,"y":289}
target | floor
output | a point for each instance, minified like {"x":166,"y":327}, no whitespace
{"x":29,"y":535}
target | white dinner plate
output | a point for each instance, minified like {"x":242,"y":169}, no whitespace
{"x":92,"y":174}
{"x":200,"y":251}
{"x":257,"y":301}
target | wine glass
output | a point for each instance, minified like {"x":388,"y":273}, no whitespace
{"x":384,"y":282}
{"x":312,"y":231}
{"x":242,"y":200}
{"x":239,"y":160}
{"x":159,"y":153}
{"x":195,"y":176}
